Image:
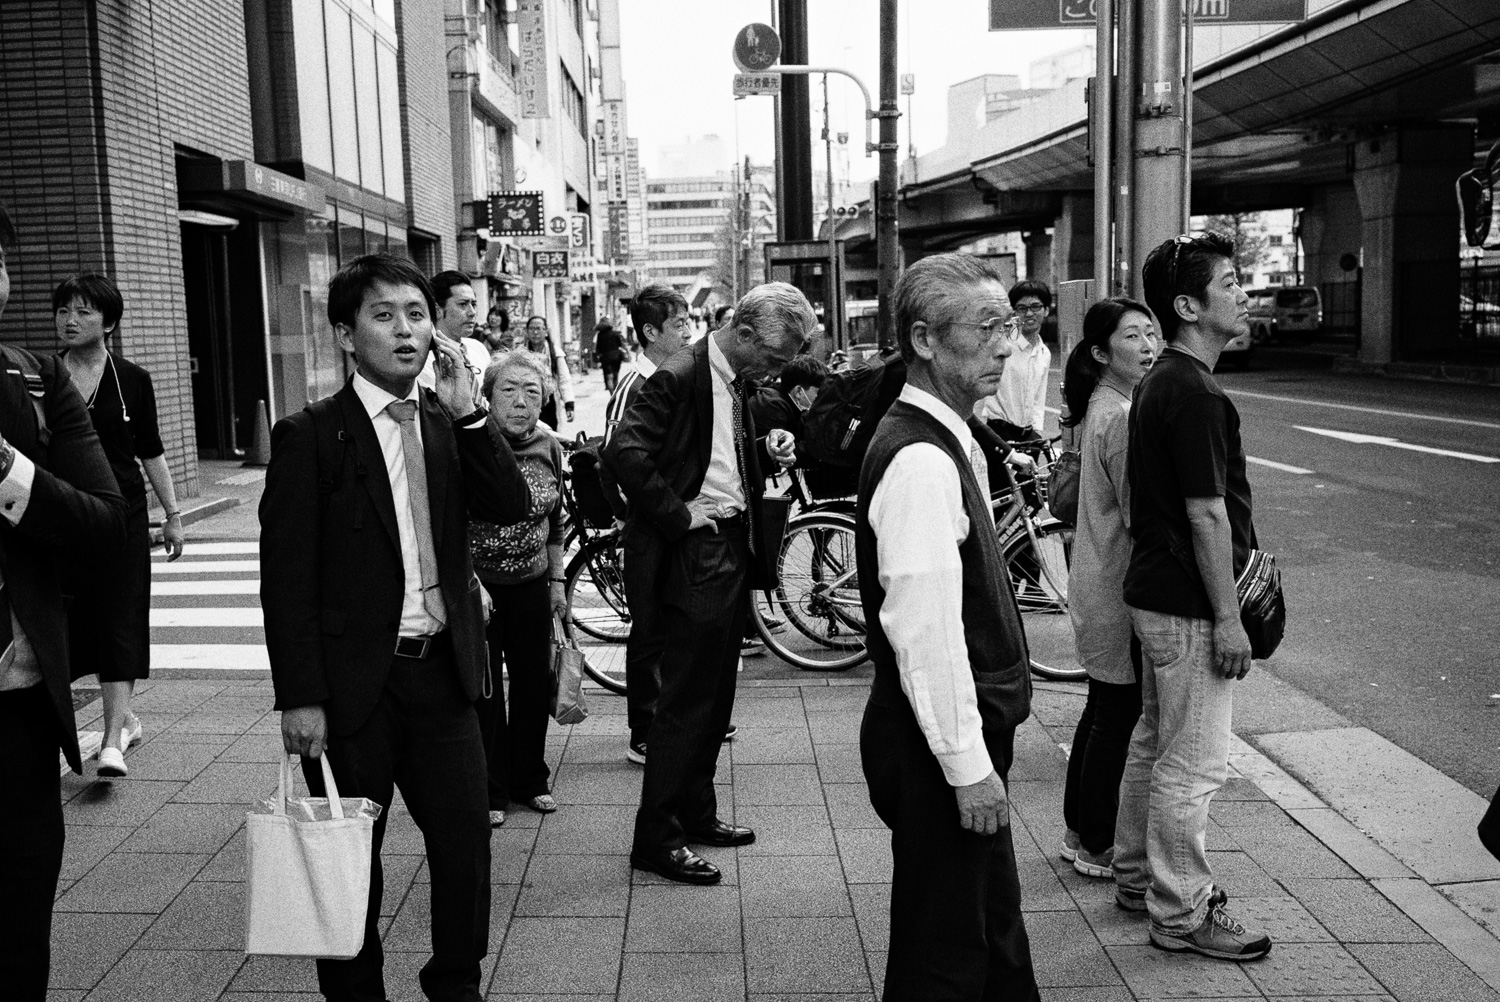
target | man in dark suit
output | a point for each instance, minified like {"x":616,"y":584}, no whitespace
{"x":687,"y":458}
{"x":373,"y":614}
{"x":59,"y":505}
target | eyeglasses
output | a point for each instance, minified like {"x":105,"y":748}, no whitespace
{"x":1038,"y":308}
{"x":992,"y":326}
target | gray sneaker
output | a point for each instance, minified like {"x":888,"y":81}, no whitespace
{"x":1132,"y":900}
{"x":1092,"y":865}
{"x":1220,"y":935}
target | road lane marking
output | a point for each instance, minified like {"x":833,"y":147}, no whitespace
{"x":210,"y":616}
{"x":207,"y":567}
{"x":1364,"y":410}
{"x":210,"y":657}
{"x":1358,"y":439}
{"x":241,"y":586}
{"x":195,"y":549}
{"x":1283,"y":467}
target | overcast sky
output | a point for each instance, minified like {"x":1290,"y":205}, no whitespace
{"x":679,"y":74}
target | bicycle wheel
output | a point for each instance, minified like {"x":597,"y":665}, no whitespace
{"x":814,"y":619}
{"x":597,"y":621}
{"x":1039,"y":574}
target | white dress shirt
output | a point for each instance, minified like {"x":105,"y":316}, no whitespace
{"x":415,"y":620}
{"x":721,"y":483}
{"x":1021,"y":397}
{"x":917,"y":513}
{"x":478,"y":357}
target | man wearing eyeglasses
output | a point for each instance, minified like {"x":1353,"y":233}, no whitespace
{"x":1017,"y":409}
{"x":951,"y":666}
{"x":1191,"y":528}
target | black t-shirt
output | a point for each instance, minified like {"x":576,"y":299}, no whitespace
{"x":1184,"y":443}
{"x":125,"y":391}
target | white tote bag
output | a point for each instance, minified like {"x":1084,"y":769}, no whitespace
{"x":308,"y":865}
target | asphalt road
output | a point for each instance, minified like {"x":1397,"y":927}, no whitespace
{"x":1390,"y":556}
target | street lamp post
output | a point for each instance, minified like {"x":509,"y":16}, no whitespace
{"x":887,"y":251}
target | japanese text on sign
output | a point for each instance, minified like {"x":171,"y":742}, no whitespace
{"x":516,"y":213}
{"x":747,"y":84}
{"x":1025,"y":15}
{"x":531,"y":29}
{"x":549,"y":264}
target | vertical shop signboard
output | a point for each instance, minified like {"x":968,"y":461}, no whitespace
{"x":531,"y":25}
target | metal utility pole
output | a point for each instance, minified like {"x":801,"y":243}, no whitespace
{"x":1124,"y":281}
{"x":1159,"y":129}
{"x":1104,"y":68}
{"x":887,"y":251}
{"x":794,"y":200}
{"x":1187,"y":115}
{"x":833,"y":299}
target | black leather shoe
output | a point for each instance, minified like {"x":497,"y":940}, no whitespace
{"x":682,"y":865}
{"x":722,"y":833}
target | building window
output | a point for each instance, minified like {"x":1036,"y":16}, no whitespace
{"x":495,"y":28}
{"x":578,"y":16}
{"x":573,"y":103}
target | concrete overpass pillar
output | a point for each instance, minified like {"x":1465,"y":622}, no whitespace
{"x":1038,"y":256}
{"x":1331,"y":227}
{"x":1404,"y":182}
{"x":1073,"y":239}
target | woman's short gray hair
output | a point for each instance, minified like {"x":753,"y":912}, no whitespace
{"x":776,"y":311}
{"x":931,"y":289}
{"x":517,"y":359}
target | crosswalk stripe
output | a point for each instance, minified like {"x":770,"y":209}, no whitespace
{"x":212,"y":616}
{"x":207,"y":567}
{"x":194,"y":549}
{"x":236,"y":586}
{"x":210,"y":657}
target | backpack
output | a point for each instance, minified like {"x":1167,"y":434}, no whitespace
{"x":839,"y":425}
{"x":588,"y":489}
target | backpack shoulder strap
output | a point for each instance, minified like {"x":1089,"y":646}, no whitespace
{"x":25,"y":364}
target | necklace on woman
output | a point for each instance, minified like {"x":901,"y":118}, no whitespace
{"x":87,"y":369}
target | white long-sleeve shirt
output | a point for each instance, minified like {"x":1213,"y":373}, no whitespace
{"x":917,"y":513}
{"x":1021,"y":397}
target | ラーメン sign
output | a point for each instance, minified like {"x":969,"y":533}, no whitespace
{"x":1028,"y":15}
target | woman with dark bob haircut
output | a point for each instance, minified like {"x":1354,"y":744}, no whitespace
{"x":1117,"y":349}
{"x":109,"y":623}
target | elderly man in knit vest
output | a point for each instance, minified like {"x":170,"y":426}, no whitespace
{"x":951,"y":667}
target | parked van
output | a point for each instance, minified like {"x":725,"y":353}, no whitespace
{"x":1294,"y":311}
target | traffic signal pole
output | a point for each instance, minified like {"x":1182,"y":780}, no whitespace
{"x":887,"y":251}
{"x":1160,"y":144}
{"x":794,"y":198}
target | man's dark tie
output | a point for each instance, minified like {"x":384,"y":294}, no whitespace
{"x":741,"y":402}
{"x":404,"y":411}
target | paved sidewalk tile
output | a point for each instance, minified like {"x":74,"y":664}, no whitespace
{"x":804,"y":955}
{"x":670,"y":977}
{"x":86,"y":945}
{"x":680,"y":919}
{"x":168,"y":976}
{"x":549,"y":955}
{"x":1310,"y":969}
{"x":132,"y":882}
{"x":793,"y":885}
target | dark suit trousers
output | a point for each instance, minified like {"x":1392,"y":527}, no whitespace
{"x":956,"y":926}
{"x":31,"y":840}
{"x":641,"y":564}
{"x":515,"y":744}
{"x":704,"y":593}
{"x":423,"y":738}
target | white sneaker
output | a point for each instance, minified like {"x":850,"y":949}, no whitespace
{"x":130,"y":736}
{"x":112,"y":763}
{"x":1070,"y":845}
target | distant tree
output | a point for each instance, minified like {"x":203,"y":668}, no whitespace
{"x":1245,"y":230}
{"x":726,"y":259}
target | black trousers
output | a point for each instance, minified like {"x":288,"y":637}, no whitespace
{"x":611,"y":374}
{"x":1091,"y":798}
{"x":956,"y":926}
{"x":704,"y":596}
{"x":642,"y":563}
{"x":515,"y":744}
{"x":423,"y":738}
{"x":31,"y":840}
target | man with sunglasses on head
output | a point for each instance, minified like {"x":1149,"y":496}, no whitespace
{"x":1191,"y":530}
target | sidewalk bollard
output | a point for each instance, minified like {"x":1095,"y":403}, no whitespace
{"x":260,"y":448}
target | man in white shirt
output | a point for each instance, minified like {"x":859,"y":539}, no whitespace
{"x":457,"y":317}
{"x":1017,"y":409}
{"x":660,"y":313}
{"x":951,"y":666}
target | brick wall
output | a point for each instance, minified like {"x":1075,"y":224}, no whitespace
{"x":94,"y":98}
{"x":425,"y":142}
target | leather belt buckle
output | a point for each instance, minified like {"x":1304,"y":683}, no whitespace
{"x":413,"y":647}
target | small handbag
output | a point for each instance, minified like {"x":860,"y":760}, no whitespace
{"x":1062,"y":486}
{"x":1262,"y":604}
{"x":568,"y":705}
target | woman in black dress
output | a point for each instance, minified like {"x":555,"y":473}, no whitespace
{"x":109,"y":623}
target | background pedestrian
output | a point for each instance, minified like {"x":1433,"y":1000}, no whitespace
{"x":539,"y":341}
{"x":109,"y":628}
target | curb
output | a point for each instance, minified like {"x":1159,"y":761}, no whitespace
{"x":197,"y":513}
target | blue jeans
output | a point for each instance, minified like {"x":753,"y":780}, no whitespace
{"x":1179,"y":758}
